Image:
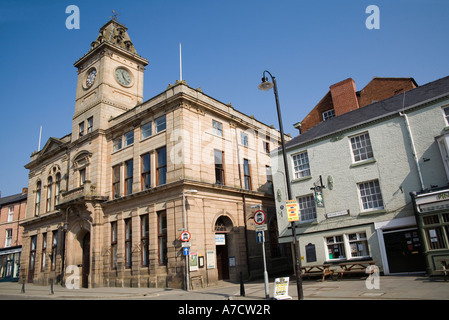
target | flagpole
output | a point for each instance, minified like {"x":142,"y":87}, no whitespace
{"x":40,"y":135}
{"x":180,"y":63}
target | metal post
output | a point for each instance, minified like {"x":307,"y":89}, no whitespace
{"x":265,"y":273}
{"x":242,"y":287}
{"x":185,"y":229}
{"x":23,"y":285}
{"x":289,"y":193}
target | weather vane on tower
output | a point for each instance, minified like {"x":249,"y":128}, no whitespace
{"x":114,"y":16}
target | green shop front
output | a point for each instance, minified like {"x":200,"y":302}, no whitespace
{"x":432,"y":216}
{"x":10,"y":263}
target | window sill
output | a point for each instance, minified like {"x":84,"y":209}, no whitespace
{"x":367,"y":213}
{"x":362,"y":163}
{"x":301,"y":179}
{"x":123,"y":148}
{"x":307,"y":223}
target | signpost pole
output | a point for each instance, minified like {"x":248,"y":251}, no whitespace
{"x":265,"y":273}
{"x":185,"y":229}
{"x":260,"y":218}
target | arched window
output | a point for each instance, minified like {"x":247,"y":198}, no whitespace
{"x":223,"y":224}
{"x":81,"y":162}
{"x":49,"y":190}
{"x":38,"y":198}
{"x":57,"y":188}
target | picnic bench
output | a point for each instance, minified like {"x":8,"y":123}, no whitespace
{"x":445,"y":268}
{"x":322,"y":270}
{"x":354,"y":267}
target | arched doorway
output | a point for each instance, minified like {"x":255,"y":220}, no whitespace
{"x":86,"y":260}
{"x":78,"y":251}
{"x":223,"y":225}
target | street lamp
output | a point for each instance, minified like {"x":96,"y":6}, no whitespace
{"x":184,"y":221}
{"x":265,"y":86}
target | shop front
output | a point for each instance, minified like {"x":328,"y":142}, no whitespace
{"x":432,"y":215}
{"x":10,"y":263}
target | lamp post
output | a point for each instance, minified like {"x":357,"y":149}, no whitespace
{"x":265,"y":86}
{"x":184,"y":227}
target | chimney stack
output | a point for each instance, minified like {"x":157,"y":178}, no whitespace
{"x":344,"y":96}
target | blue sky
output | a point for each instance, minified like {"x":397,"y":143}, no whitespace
{"x":226,"y":46}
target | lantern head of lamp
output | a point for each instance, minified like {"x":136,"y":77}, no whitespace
{"x":265,"y":85}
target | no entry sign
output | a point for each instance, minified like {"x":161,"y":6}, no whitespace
{"x":185,"y":236}
{"x":260,"y":217}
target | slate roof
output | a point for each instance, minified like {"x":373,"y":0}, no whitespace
{"x":12,"y":199}
{"x":375,"y":111}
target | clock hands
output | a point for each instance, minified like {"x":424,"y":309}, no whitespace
{"x":123,"y":77}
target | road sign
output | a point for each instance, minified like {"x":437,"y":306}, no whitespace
{"x":262,"y":227}
{"x":186,"y":244}
{"x":186,"y":250}
{"x":260,"y":217}
{"x":185,"y":236}
{"x":260,"y":237}
{"x":292,"y":210}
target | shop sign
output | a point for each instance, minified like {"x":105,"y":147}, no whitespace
{"x":292,"y":210}
{"x":337,"y":214}
{"x":281,"y":288}
{"x":319,"y":198}
{"x":442,"y":205}
{"x":421,"y":199}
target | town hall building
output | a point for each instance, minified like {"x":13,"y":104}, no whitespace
{"x":109,"y":201}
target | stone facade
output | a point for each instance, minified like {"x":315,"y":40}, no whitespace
{"x":116,"y":184}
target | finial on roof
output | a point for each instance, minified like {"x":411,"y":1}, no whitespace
{"x":114,"y":33}
{"x":114,"y":16}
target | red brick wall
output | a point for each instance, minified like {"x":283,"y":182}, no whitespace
{"x":19,"y":215}
{"x":383,"y":88}
{"x":316,"y":115}
{"x":344,"y":96}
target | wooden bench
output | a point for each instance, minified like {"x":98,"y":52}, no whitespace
{"x":354,"y":267}
{"x":445,"y":269}
{"x":321,"y":270}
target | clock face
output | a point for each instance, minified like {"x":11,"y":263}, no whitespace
{"x":91,"y":78}
{"x":123,"y":77}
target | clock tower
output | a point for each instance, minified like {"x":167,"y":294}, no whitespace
{"x":110,"y":80}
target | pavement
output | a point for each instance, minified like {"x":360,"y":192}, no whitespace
{"x":417,"y":287}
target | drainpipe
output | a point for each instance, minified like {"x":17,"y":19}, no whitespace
{"x":64,"y":237}
{"x":412,"y":143}
{"x":244,"y":202}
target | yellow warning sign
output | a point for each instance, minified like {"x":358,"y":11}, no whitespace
{"x":292,"y":210}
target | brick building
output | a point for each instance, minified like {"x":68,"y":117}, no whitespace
{"x":111,"y":198}
{"x":12,"y":212}
{"x":372,"y":184}
{"x":343,"y":97}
